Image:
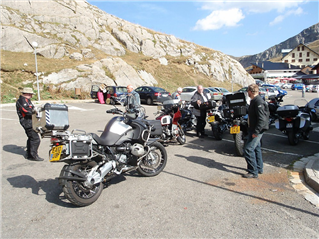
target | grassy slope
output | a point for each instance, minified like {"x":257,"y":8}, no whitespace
{"x":17,"y":71}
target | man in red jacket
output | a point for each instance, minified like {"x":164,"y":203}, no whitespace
{"x":25,"y":108}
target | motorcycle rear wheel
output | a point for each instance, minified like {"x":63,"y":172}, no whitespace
{"x":240,"y":143}
{"x":75,"y":191}
{"x":217,"y":132}
{"x":154,"y":162}
{"x":292,"y":138}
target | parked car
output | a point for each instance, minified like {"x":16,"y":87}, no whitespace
{"x":269,"y":91}
{"x":276,"y":88}
{"x":115,"y":91}
{"x":297,"y":86}
{"x":216,"y":95}
{"x":309,"y":88}
{"x":314,"y":104}
{"x":223,"y":90}
{"x":286,"y":86}
{"x":151,"y":94}
{"x":189,"y":91}
{"x":315,"y":88}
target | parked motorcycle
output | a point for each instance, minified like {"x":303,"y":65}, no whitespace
{"x":188,"y":120}
{"x":232,"y":116}
{"x":167,"y":120}
{"x":218,"y":122}
{"x":295,"y":122}
{"x":93,"y":160}
{"x":273,"y":104}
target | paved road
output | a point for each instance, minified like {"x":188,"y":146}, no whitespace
{"x":200,"y":193}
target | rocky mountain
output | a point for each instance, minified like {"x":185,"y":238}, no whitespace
{"x":77,"y":30}
{"x":308,"y":35}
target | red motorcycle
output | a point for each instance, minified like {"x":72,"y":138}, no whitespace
{"x":167,"y":127}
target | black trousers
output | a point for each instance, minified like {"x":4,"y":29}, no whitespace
{"x":33,"y":142}
{"x":201,"y":123}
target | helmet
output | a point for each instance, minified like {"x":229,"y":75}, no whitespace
{"x":137,"y":150}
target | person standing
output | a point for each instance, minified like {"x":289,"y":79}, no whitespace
{"x":25,"y":109}
{"x":258,"y":123}
{"x":133,"y":98}
{"x":197,"y":99}
{"x":177,"y":94}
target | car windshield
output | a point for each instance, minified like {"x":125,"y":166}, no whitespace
{"x":213,"y":90}
{"x":122,"y":89}
{"x":157,"y":89}
{"x":223,"y":90}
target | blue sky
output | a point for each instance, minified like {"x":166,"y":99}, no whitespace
{"x":233,"y":27}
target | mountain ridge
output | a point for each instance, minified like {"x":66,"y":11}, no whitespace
{"x":306,"y":36}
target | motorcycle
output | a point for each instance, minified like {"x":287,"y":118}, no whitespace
{"x":168,"y":121}
{"x":218,"y":122}
{"x":91,"y":160}
{"x":188,"y":120}
{"x":232,"y":116}
{"x":273,"y":104}
{"x":295,"y":122}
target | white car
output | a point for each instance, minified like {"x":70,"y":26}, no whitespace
{"x":315,"y":88}
{"x":189,"y":91}
{"x":286,"y":86}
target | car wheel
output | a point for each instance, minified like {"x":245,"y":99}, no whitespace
{"x":149,"y":101}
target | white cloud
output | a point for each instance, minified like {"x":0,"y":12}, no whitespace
{"x":280,"y":18}
{"x":223,"y":9}
{"x":219,"y":19}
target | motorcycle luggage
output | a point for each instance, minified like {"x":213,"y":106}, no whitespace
{"x":51,"y":117}
{"x":157,"y":126}
{"x":288,"y":111}
{"x":80,"y":146}
{"x":236,"y":99}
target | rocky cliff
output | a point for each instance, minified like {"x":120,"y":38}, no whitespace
{"x":78,"y":30}
{"x":306,"y":36}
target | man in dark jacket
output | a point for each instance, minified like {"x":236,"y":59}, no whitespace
{"x":197,"y":100}
{"x":25,"y":108}
{"x":258,"y":123}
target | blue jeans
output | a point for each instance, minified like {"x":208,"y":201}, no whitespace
{"x":253,"y":154}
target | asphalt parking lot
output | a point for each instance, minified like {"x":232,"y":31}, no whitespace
{"x":200,"y":193}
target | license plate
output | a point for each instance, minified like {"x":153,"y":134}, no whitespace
{"x":289,"y":125}
{"x":164,"y":95}
{"x":211,"y":119}
{"x":235,"y":129}
{"x":55,"y":153}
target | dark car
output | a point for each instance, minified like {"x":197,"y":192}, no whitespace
{"x":313,"y":104}
{"x":115,"y":91}
{"x":151,"y":94}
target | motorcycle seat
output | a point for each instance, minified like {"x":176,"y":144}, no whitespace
{"x":99,"y":140}
{"x":304,"y":115}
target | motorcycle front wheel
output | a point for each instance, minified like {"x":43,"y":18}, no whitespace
{"x":154,"y":162}
{"x":181,"y":138}
{"x":75,"y":191}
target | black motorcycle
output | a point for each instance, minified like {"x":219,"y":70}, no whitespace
{"x":93,"y":160}
{"x":273,"y":104}
{"x":188,"y":120}
{"x":295,"y":122}
{"x":232,"y":116}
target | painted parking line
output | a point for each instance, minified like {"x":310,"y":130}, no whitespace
{"x":271,"y":150}
{"x":9,"y":119}
{"x":284,"y":136}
